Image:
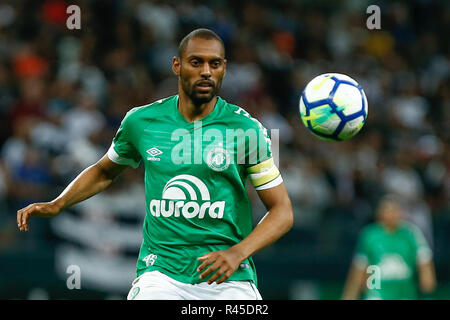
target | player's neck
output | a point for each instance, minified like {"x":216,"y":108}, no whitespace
{"x":390,"y":228}
{"x":192,"y":112}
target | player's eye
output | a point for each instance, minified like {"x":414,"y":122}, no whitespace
{"x":216,"y":64}
{"x":195,"y":63}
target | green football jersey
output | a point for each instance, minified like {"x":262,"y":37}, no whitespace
{"x":396,"y":255}
{"x":195,"y":182}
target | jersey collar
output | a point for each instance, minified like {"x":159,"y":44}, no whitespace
{"x":182,"y":120}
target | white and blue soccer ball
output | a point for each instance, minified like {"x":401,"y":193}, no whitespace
{"x":333,"y":107}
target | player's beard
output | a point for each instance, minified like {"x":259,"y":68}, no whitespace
{"x":197,"y":97}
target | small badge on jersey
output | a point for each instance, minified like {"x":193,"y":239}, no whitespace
{"x":150,"y":259}
{"x":218,"y":159}
{"x":154,"y":153}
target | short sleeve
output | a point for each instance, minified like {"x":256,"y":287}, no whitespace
{"x":123,"y":150}
{"x":361,"y":256}
{"x":260,"y":165}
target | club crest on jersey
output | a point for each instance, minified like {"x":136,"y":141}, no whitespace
{"x":188,"y":196}
{"x":154,"y":152}
{"x":218,"y":159}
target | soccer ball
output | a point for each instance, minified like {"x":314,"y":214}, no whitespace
{"x":333,"y":107}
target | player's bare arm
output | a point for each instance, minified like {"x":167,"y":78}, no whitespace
{"x":88,"y":183}
{"x":355,"y":282}
{"x":275,"y":224}
{"x":427,"y":277}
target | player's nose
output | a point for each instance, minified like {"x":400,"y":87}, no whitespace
{"x":206,"y":70}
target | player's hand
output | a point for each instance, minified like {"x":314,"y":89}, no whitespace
{"x":44,"y":209}
{"x":223,"y":263}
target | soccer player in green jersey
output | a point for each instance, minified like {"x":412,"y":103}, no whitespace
{"x":392,"y":256}
{"x":198,"y":152}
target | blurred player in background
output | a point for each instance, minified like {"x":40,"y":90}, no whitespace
{"x":198,"y":237}
{"x":399,"y":251}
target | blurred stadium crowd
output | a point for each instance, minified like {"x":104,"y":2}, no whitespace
{"x":64,"y":92}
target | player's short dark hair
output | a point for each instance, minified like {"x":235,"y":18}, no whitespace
{"x":202,"y":33}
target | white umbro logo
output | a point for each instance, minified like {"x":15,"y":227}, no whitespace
{"x":154,"y":152}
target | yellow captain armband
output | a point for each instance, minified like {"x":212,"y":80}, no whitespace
{"x":265,"y":175}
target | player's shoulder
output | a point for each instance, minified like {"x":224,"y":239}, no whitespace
{"x":240,"y":115}
{"x":410,"y":229}
{"x":151,"y":109}
{"x":371,"y":230}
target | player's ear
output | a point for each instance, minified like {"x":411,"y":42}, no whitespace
{"x":176,"y":64}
